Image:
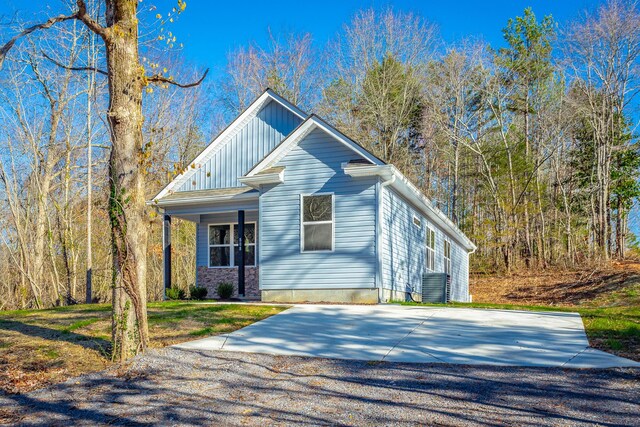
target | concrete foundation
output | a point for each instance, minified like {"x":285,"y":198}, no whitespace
{"x":391,"y":295}
{"x":357,"y":296}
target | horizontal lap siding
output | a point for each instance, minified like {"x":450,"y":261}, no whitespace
{"x":246,"y":148}
{"x":202,"y":231}
{"x":314,"y":166}
{"x":402,"y":246}
{"x":403,"y":249}
{"x":459,"y":265}
{"x":460,"y":273}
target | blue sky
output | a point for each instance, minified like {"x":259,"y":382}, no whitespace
{"x":209,"y":29}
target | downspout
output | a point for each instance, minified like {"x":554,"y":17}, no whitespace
{"x":389,"y":181}
{"x":383,"y":184}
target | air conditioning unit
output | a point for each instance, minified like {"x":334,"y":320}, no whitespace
{"x":436,"y":287}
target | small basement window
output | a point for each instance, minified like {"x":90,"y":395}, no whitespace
{"x":317,"y":223}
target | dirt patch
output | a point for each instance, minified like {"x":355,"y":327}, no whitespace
{"x":613,"y":283}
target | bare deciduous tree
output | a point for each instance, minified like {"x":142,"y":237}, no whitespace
{"x":127,"y":215}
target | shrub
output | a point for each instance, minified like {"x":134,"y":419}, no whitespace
{"x":225,"y":290}
{"x":175,"y":293}
{"x":197,"y":292}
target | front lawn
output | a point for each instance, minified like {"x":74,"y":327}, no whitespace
{"x":41,"y":347}
{"x":615,"y":329}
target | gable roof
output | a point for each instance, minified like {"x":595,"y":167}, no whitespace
{"x":366,"y":164}
{"x":306,"y":127}
{"x":233,"y":128}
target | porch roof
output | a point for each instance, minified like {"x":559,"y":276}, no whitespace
{"x":206,"y":196}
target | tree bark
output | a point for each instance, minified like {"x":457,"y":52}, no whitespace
{"x":126,"y":180}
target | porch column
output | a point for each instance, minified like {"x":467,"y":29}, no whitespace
{"x":166,"y":252}
{"x":241,"y":254}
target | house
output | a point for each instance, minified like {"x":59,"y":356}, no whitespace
{"x":320,"y":218}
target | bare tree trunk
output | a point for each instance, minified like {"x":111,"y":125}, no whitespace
{"x":126,"y":180}
{"x":89,"y":252}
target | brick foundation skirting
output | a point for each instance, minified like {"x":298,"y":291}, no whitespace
{"x":210,"y":278}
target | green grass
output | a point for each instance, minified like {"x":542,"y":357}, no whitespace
{"x":81,"y":324}
{"x":201,"y":332}
{"x":48,"y":346}
{"x":615,"y":329}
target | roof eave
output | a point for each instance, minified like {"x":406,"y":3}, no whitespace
{"x":311,"y":123}
{"x":190,"y":201}
{"x":399,"y":182}
{"x":256,"y":181}
{"x":383,"y":171}
{"x":408,"y":190}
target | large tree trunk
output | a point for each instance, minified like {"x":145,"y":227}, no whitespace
{"x":126,"y":198}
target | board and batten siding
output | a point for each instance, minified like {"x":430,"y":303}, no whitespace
{"x":244,"y":150}
{"x":403,"y":249}
{"x":315,"y":166}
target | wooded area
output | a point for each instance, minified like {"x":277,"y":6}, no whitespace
{"x":531,"y":149}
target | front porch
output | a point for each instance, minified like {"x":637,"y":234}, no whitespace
{"x":227,"y":249}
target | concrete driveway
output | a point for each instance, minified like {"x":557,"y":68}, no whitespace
{"x":420,"y":335}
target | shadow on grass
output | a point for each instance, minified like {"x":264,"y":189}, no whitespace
{"x":85,"y":341}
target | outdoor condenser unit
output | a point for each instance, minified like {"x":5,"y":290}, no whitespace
{"x":435,"y":287}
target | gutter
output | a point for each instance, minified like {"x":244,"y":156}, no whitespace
{"x":256,"y":181}
{"x":397,"y":180}
{"x":200,"y":200}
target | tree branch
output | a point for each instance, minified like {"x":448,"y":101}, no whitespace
{"x":87,"y":20}
{"x":66,"y":67}
{"x":80,"y":15}
{"x":157,"y":79}
{"x":60,"y":18}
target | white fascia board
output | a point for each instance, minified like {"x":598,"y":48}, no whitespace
{"x":303,"y":130}
{"x":189,"y":201}
{"x":414,"y":195}
{"x":383,"y":171}
{"x":295,"y":110}
{"x":346,"y":141}
{"x":234,"y":127}
{"x":409,"y":191}
{"x":256,"y":181}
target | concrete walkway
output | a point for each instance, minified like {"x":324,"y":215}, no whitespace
{"x":420,"y":335}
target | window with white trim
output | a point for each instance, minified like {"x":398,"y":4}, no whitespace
{"x":447,"y":257}
{"x":225,"y":251}
{"x":431,"y":249}
{"x":317,"y":223}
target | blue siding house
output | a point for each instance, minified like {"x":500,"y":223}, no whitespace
{"x":289,"y":209}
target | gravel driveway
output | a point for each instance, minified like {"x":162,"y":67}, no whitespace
{"x":175,"y":386}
